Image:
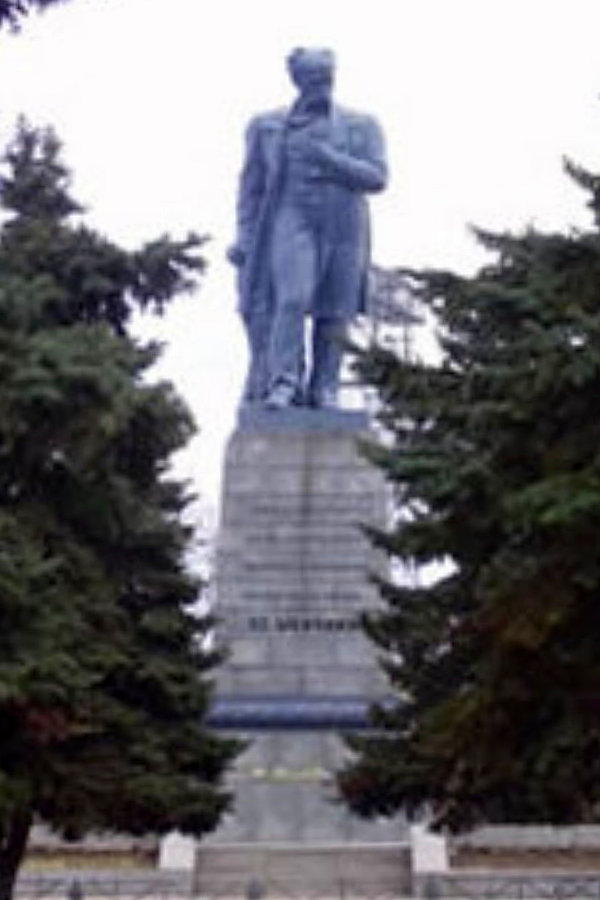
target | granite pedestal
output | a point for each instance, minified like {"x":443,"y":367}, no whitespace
{"x":292,"y":580}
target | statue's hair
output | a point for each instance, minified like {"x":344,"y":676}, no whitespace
{"x":316,"y":56}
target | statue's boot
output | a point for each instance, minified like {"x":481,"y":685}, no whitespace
{"x":281,"y":396}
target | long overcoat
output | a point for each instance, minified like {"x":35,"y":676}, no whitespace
{"x":358,"y":138}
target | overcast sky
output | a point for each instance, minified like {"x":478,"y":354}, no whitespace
{"x":479,"y":100}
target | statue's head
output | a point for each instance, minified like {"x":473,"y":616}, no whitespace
{"x":312,"y":70}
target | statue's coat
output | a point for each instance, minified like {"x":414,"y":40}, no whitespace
{"x":347,"y":218}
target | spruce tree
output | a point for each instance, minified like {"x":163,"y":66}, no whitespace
{"x":104,"y":671}
{"x":12,"y":12}
{"x":493,"y":456}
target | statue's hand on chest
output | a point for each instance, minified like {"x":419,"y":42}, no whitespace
{"x":315,"y":154}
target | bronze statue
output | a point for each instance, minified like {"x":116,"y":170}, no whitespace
{"x":302,"y":246}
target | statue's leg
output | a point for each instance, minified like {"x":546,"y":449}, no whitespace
{"x":285,"y":354}
{"x":294,"y":266}
{"x":257,"y":333}
{"x":335,"y":305}
{"x":328,"y":347}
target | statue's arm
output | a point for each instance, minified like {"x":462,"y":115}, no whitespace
{"x":367,"y":172}
{"x":250,"y":193}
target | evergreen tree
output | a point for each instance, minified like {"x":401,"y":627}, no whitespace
{"x":12,"y":12}
{"x":103,"y":662}
{"x":494,"y":459}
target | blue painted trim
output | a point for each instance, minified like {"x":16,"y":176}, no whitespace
{"x":290,"y":713}
{"x":301,"y":419}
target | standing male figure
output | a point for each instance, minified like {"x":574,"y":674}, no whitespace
{"x":302,"y":244}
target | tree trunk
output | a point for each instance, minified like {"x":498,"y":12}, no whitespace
{"x":12,"y":849}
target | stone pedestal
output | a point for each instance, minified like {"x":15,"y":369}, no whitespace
{"x":292,"y":581}
{"x":293,"y":564}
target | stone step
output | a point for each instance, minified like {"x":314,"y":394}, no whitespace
{"x":293,"y":871}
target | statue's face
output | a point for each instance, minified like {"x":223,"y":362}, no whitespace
{"x":315,"y":84}
{"x":312,"y":73}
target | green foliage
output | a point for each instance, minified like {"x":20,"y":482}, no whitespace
{"x":494,"y":459}
{"x":103,"y":666}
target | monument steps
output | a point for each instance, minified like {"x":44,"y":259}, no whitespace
{"x":288,"y":870}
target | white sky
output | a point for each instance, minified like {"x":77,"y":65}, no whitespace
{"x":479,"y":100}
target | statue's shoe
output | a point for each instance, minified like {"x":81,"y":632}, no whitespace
{"x":280,"y":397}
{"x":324,"y":400}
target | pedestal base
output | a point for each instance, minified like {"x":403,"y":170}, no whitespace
{"x":293,"y":571}
{"x":289,"y":871}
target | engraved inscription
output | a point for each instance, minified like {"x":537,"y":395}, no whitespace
{"x":262,"y":624}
